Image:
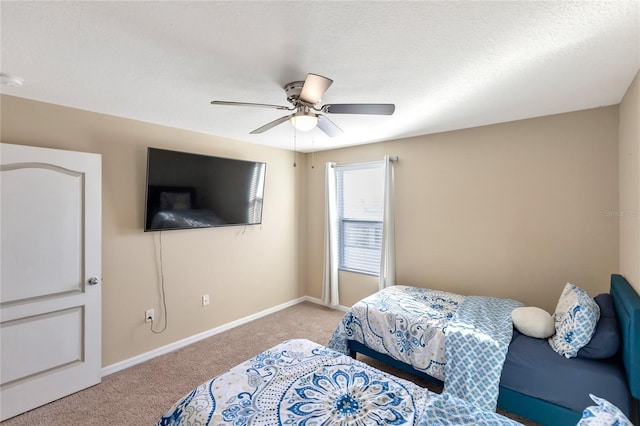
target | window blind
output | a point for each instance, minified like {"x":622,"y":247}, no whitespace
{"x":360,"y":193}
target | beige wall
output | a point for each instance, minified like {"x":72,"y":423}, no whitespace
{"x":243,"y":270}
{"x":630,"y":184}
{"x":512,"y":210}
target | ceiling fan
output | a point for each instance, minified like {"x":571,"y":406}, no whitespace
{"x":304,"y":97}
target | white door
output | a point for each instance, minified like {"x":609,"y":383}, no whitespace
{"x":50,"y":279}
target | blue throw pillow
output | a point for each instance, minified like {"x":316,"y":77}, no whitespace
{"x":575,"y":320}
{"x":606,"y":340}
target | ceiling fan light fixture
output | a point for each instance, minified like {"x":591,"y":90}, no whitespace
{"x":304,"y":97}
{"x":304,"y":121}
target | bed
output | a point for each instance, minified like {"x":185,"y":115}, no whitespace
{"x":534,"y":382}
{"x":299,"y":382}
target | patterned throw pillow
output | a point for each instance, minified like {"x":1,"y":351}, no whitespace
{"x":605,"y":413}
{"x":575,"y":321}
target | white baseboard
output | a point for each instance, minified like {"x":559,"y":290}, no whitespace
{"x":320,"y":302}
{"x":113,"y":368}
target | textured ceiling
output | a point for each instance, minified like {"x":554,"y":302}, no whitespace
{"x":446,"y":65}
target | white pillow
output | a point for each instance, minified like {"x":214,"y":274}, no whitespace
{"x":533,"y":322}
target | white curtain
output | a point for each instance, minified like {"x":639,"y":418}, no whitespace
{"x":388,"y":252}
{"x":330,"y":275}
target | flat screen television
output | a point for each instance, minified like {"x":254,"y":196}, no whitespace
{"x":186,"y":190}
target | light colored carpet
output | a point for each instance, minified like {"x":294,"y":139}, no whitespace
{"x":141,"y":394}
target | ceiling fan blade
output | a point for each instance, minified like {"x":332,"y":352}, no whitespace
{"x":313,"y":88}
{"x":374,"y":109}
{"x":271,"y":125}
{"x":328,"y":126}
{"x":250,"y":105}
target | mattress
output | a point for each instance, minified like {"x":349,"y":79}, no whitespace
{"x":531,"y":365}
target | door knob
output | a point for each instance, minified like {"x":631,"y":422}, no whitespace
{"x":93,"y":281}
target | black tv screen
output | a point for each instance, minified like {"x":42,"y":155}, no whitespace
{"x":187,"y":190}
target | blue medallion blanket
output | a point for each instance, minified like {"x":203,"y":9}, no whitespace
{"x":413,"y":325}
{"x":302,"y":383}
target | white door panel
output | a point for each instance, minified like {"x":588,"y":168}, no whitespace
{"x":53,"y":193}
{"x":41,"y":343}
{"x":50,"y":317}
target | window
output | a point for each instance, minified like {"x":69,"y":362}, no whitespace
{"x":360,"y":205}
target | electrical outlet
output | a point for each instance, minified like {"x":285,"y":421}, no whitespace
{"x":205,"y":300}
{"x":149,"y":315}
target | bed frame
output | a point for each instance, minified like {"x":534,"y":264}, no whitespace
{"x":627,"y":304}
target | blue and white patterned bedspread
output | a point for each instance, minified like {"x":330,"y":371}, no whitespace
{"x":477,"y":341}
{"x":302,"y":383}
{"x":406,"y":323}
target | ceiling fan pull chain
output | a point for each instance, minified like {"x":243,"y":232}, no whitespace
{"x":294,"y":146}
{"x":313,"y":150}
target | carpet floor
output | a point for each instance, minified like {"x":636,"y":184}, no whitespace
{"x":140,"y":394}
